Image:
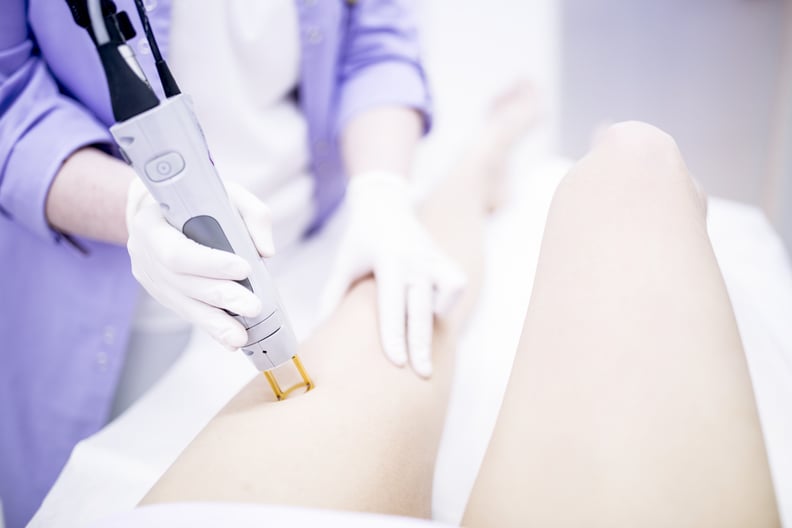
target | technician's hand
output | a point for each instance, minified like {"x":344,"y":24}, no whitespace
{"x":193,"y":280}
{"x":415,"y":279}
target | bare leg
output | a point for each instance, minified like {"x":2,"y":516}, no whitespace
{"x":366,"y":438}
{"x":629,"y":403}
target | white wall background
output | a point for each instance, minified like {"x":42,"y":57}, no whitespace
{"x":778,"y":194}
{"x":474,"y":49}
{"x":707,"y":71}
{"x":714,"y":73}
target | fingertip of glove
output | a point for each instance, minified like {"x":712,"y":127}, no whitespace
{"x":396,"y":355}
{"x":252,"y":307}
{"x":422,"y":366}
{"x":233,"y":337}
{"x":398,"y":363}
{"x":239,"y":269}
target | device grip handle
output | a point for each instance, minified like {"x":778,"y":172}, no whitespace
{"x":166,"y":147}
{"x":207,"y":231}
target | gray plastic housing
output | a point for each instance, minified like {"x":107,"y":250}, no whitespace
{"x":167,"y":149}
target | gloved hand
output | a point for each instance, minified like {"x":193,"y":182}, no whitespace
{"x":193,"y":280}
{"x":415,"y":279}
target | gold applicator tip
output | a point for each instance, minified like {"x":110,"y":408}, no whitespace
{"x":281,"y":394}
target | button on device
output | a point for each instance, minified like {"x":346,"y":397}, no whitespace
{"x":164,"y":167}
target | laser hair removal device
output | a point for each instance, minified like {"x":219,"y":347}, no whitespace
{"x":164,"y":143}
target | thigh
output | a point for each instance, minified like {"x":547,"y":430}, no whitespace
{"x":629,"y":401}
{"x":366,"y":437}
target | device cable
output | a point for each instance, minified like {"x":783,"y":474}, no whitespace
{"x":169,"y":85}
{"x":130,"y":93}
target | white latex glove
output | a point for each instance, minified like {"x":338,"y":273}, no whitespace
{"x":415,"y":279}
{"x":195,"y":281}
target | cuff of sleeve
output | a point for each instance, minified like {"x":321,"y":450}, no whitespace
{"x":384,"y":84}
{"x":37,"y":157}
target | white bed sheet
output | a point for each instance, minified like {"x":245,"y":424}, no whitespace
{"x":241,"y":515}
{"x":111,"y":471}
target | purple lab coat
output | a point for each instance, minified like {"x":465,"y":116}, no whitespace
{"x":65,"y":314}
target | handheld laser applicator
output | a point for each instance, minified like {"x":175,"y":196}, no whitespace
{"x":164,"y":143}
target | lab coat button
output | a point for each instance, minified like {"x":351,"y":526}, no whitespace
{"x":143,"y":47}
{"x":314,"y":36}
{"x":108,"y":335}
{"x":101,"y":360}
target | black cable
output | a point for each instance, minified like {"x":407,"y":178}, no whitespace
{"x":169,"y":85}
{"x":155,"y":51}
{"x":130,"y":95}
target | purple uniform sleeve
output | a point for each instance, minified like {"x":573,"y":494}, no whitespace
{"x":381,"y":61}
{"x":39,"y":126}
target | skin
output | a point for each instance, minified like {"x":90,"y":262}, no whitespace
{"x":88,"y":196}
{"x":629,"y":402}
{"x":383,"y":138}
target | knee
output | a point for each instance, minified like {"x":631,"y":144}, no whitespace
{"x":638,"y":159}
{"x":642,"y":152}
{"x":639,"y":140}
